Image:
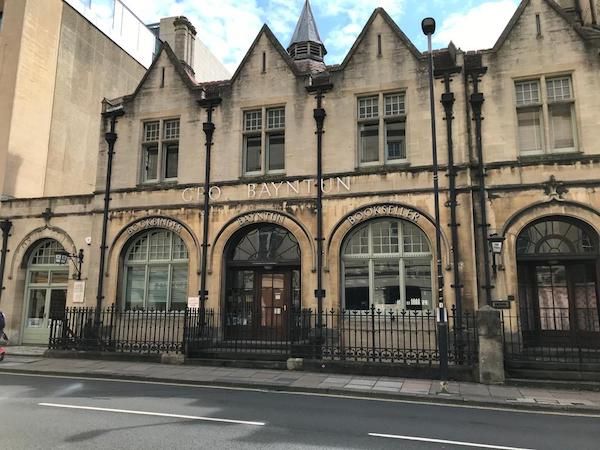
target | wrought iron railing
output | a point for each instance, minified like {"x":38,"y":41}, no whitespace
{"x":550,"y":336}
{"x":371,"y":336}
{"x":114,"y":329}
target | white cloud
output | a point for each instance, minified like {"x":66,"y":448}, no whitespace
{"x":478,"y":27}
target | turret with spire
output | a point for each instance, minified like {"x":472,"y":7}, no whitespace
{"x":306,"y":47}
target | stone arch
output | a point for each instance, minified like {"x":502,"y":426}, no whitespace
{"x":129,"y":232}
{"x":216,"y":264}
{"x":22,"y":250}
{"x":364,"y":214}
{"x":515,"y":224}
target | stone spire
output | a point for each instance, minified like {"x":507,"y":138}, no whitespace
{"x":306,"y":44}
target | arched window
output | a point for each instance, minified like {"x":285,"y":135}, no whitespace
{"x":156,"y":271}
{"x":267,"y":243}
{"x":386,"y":263}
{"x":46,"y":289}
{"x":555,"y":236}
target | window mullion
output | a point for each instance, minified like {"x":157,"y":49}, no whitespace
{"x":146,"y":285}
{"x":169,"y":285}
{"x":402,"y":283}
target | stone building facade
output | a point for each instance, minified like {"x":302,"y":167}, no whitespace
{"x":528,"y":173}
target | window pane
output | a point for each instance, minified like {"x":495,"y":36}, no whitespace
{"x":160,"y":245}
{"x":415,"y":240}
{"x":394,"y":104}
{"x":558,"y":89}
{"x":359,"y":242}
{"x":386,"y":276}
{"x":356,"y":284}
{"x":38,"y":277}
{"x":179,"y":248}
{"x":561,"y":126}
{"x":171,"y":129}
{"x":369,"y":142}
{"x":530,"y":129}
{"x":275,"y":118}
{"x":151,"y":131}
{"x":179,"y":285}
{"x":253,"y":120}
{"x":528,"y":92}
{"x":139,"y":250}
{"x":368,"y":107}
{"x":417,"y":279}
{"x":385,"y":237}
{"x":252,"y":146}
{"x":276,"y":151}
{"x":158,"y":277}
{"x":59,"y":277}
{"x":46,"y":252}
{"x":171,"y":160}
{"x":395,"y":139}
{"x":136,"y":283}
{"x":151,"y":158}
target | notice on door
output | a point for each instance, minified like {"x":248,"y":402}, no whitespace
{"x":78,"y":291}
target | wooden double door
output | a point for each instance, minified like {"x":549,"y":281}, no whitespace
{"x":258,"y":304}
{"x":560,"y":303}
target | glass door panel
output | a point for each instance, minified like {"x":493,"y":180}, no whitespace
{"x":585,"y":305}
{"x":36,"y":308}
{"x":273,"y":300}
{"x":553,"y":297}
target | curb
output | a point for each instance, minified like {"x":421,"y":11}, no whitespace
{"x":443,"y":399}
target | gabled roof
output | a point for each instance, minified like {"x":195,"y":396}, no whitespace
{"x":306,"y":28}
{"x":177,"y":64}
{"x":395,"y":28}
{"x":583,"y":32}
{"x":276,"y":44}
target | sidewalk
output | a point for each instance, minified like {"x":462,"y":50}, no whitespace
{"x":280,"y":380}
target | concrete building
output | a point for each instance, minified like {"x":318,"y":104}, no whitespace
{"x":528,"y":173}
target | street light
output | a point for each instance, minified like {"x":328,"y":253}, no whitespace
{"x":428,"y":27}
{"x":62,"y":256}
{"x":496,"y":244}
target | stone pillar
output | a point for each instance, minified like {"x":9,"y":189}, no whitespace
{"x":491,"y":350}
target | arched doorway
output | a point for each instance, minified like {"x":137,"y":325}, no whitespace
{"x":46,"y":285}
{"x":155,"y":271}
{"x":386,"y":263}
{"x":262,"y":282}
{"x":557,"y":262}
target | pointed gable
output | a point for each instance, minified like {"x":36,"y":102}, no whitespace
{"x":266,"y":32}
{"x":397,"y":32}
{"x":584,"y":34}
{"x":165,"y":53}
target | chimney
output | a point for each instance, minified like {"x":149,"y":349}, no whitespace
{"x":184,"y":37}
{"x":180,"y":34}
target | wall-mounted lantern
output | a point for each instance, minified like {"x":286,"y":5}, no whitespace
{"x":62,"y":256}
{"x":496,"y":244}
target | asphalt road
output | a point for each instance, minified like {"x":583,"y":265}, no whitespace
{"x":52,"y":412}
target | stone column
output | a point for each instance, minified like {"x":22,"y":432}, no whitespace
{"x":491,"y":350}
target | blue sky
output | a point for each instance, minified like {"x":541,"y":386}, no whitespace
{"x":228,"y":27}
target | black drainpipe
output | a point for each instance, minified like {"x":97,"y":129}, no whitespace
{"x":5,"y":226}
{"x":448,"y":103}
{"x":111,"y":113}
{"x":319,"y":85}
{"x":476,"y":101}
{"x":209,"y":128}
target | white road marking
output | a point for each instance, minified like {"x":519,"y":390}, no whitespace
{"x":444,"y":441}
{"x":148,"y":413}
{"x":423,"y":402}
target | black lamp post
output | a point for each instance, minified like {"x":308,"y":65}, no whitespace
{"x":428,"y":27}
{"x":62,"y":256}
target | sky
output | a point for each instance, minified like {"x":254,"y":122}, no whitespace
{"x":228,"y":27}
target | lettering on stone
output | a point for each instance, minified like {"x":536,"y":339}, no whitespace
{"x":384,"y":210}
{"x":155,"y":222}
{"x":263,"y":216}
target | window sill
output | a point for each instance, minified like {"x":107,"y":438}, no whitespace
{"x":157,"y":184}
{"x":553,"y":156}
{"x":389,"y":167}
{"x":262,"y":177}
